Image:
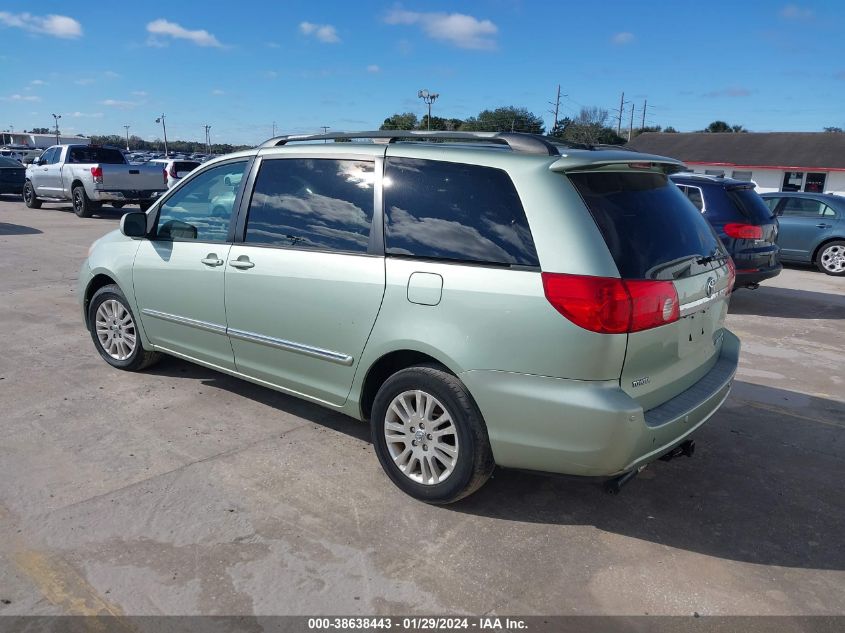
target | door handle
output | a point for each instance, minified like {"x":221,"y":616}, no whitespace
{"x":241,"y":262}
{"x":212,"y":260}
{"x":823,"y":226}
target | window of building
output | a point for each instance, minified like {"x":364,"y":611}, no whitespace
{"x":792,"y":181}
{"x":815,"y":182}
{"x":454,"y":211}
{"x":742,"y":175}
{"x":714,"y":172}
{"x":321,"y":204}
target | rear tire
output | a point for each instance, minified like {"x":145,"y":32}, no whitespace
{"x":831,"y":258}
{"x":29,"y":198}
{"x":114,"y":331}
{"x":447,"y":456}
{"x":82,"y":205}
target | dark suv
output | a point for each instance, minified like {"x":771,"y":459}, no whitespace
{"x":743,"y":221}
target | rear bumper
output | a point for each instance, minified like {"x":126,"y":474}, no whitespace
{"x":591,"y":428}
{"x":758,"y":275}
{"x":101,"y":195}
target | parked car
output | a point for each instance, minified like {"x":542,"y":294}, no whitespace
{"x":89,"y":175}
{"x":812,"y":229}
{"x":744,"y":223}
{"x":175,"y":169}
{"x":12,"y":176}
{"x":545,"y":308}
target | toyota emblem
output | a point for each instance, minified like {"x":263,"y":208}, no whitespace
{"x":711,"y":286}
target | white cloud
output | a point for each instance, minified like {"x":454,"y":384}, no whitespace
{"x":464,"y":31}
{"x":87,"y":115}
{"x":139,"y":93}
{"x":326,"y":33}
{"x":110,"y":74}
{"x":217,"y":92}
{"x":19,"y":97}
{"x":622,"y":38}
{"x":270,"y":74}
{"x":84,"y":82}
{"x":163,"y":27}
{"x":273,"y":45}
{"x":373,"y":68}
{"x":794,"y":12}
{"x":117,"y":103}
{"x":37,"y":82}
{"x":55,"y":25}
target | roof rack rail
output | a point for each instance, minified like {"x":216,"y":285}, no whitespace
{"x":517,"y":141}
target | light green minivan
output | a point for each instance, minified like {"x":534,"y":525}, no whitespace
{"x":481,"y":299}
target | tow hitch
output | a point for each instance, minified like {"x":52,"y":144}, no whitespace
{"x":614,"y":486}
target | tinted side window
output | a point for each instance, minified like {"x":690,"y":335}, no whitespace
{"x":772,"y":203}
{"x":454,"y":211}
{"x":803,"y":208}
{"x":49,"y":157}
{"x":694,"y":195}
{"x":320,"y":204}
{"x":202,"y":208}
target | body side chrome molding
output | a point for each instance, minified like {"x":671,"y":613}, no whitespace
{"x":290,"y":346}
{"x":252,"y":337}
{"x":175,"y":318}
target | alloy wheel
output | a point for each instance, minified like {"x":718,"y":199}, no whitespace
{"x":833,"y":258}
{"x":115,"y":329}
{"x":421,"y":437}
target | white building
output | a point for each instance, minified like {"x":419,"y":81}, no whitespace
{"x":774,"y":161}
{"x":38,"y":141}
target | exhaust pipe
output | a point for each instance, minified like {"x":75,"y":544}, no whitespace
{"x":687,"y":449}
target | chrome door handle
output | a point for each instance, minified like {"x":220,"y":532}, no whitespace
{"x":212,"y":260}
{"x":241,"y":262}
{"x":823,"y":226}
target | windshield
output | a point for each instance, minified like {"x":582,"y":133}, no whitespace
{"x":651,"y":228}
{"x":104,"y":155}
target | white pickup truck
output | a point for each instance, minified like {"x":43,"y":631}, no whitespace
{"x":88,"y":176}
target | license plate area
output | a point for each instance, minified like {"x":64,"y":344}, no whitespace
{"x":695,"y":332}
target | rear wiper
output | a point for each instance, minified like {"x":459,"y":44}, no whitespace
{"x":716,"y":255}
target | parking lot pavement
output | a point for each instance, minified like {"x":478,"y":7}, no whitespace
{"x":182,"y":491}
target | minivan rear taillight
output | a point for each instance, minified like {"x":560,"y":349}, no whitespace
{"x":609,"y":305}
{"x":744,"y":231}
{"x":173,"y":171}
{"x":164,"y":173}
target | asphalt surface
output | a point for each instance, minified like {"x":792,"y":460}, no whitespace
{"x":185,"y":491}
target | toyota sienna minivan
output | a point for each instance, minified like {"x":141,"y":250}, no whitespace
{"x":479,"y":299}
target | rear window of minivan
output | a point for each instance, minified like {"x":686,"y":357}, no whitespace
{"x":750,"y":204}
{"x":651,"y":229}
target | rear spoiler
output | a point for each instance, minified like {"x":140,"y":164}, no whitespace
{"x":590,"y":161}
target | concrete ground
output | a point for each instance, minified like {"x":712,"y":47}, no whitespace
{"x":184,"y":491}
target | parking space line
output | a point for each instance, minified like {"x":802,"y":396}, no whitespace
{"x":774,"y":409}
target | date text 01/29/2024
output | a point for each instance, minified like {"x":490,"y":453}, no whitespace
{"x":416,"y":623}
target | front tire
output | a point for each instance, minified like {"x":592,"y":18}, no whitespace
{"x":82,"y":205}
{"x":429,"y":436}
{"x":115,"y":332}
{"x":29,"y":198}
{"x":831,"y":258}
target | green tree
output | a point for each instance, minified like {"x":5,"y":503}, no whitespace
{"x":589,"y":127}
{"x":834,"y":129}
{"x":721,"y":127}
{"x":505,"y":119}
{"x":670,"y":130}
{"x":404,"y":121}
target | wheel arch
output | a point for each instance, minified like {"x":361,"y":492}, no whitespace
{"x":387,"y":365}
{"x":97,"y":281}
{"x":823,"y":243}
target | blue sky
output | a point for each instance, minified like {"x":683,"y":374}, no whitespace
{"x":239,"y":66}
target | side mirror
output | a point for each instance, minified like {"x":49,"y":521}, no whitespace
{"x":134,"y":224}
{"x":36,"y":161}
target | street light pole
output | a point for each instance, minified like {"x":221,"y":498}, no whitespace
{"x":207,"y":139}
{"x":164,"y":129}
{"x":56,"y":118}
{"x":126,"y":127}
{"x":428,"y":98}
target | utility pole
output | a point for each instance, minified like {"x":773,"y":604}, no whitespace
{"x":126,"y":127}
{"x":274,"y":130}
{"x":645,"y":105}
{"x":429,"y":98}
{"x":56,"y":118}
{"x":619,"y":120}
{"x":325,"y":129}
{"x":164,"y":129}
{"x":631,"y":127}
{"x":207,"y":139}
{"x":556,"y":111}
